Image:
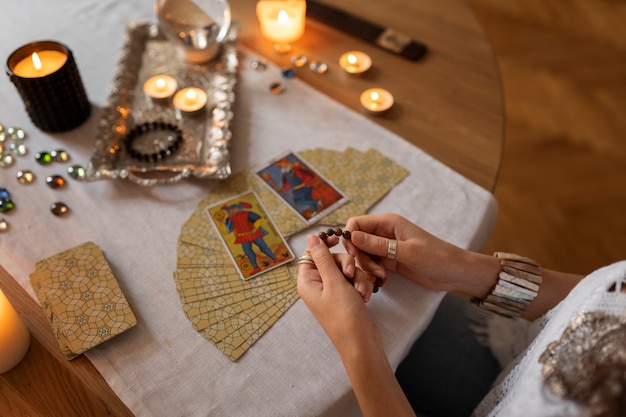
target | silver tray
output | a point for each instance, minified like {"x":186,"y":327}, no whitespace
{"x":204,"y":149}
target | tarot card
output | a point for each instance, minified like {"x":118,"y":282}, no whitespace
{"x":251,"y":237}
{"x":303,"y":188}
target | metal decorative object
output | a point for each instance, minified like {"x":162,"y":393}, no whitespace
{"x":206,"y":136}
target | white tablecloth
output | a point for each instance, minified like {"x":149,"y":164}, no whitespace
{"x":163,"y":367}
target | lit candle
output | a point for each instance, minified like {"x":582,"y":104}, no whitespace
{"x":282,"y":21}
{"x":160,"y":86}
{"x":355,"y":62}
{"x":40,"y":64}
{"x":47,"y":78}
{"x":190,"y":100}
{"x":376,"y":100}
{"x":14,"y":336}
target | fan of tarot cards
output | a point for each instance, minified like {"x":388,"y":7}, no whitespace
{"x":235,"y":274}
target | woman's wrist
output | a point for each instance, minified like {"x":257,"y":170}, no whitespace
{"x":477,"y":274}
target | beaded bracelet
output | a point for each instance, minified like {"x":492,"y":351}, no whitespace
{"x":347,"y":235}
{"x":144,"y":128}
{"x":518,"y":283}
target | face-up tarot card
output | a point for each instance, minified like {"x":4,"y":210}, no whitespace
{"x":304,"y":189}
{"x":249,"y":234}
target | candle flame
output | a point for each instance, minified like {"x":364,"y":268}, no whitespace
{"x":160,"y":84}
{"x":283,"y":17}
{"x":374,"y":96}
{"x":36,"y":61}
{"x":351,"y":59}
{"x":191,"y":96}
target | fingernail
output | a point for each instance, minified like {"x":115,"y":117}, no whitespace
{"x":313,"y":241}
{"x":349,"y":271}
{"x":358,"y":238}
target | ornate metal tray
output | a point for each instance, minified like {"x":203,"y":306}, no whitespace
{"x":203,"y":152}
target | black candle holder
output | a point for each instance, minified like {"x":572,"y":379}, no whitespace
{"x":55,"y":102}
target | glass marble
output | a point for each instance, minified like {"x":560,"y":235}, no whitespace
{"x":16,"y":133}
{"x":60,"y":155}
{"x":4,"y":194}
{"x":299,"y":61}
{"x":4,"y":226}
{"x":59,"y":208}
{"x":318,"y":67}
{"x":44,"y":158}
{"x":277,"y":88}
{"x":6,"y":160}
{"x":18,"y":149}
{"x":6,"y":206}
{"x":55,"y":181}
{"x":77,"y":172}
{"x":258,"y":65}
{"x":25,"y":176}
{"x":288,"y":72}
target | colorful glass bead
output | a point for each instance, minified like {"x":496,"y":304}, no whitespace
{"x":288,"y":72}
{"x":258,"y":65}
{"x":60,"y":155}
{"x":277,"y":88}
{"x":4,"y":194}
{"x":299,"y":61}
{"x":44,"y":158}
{"x":6,"y":160}
{"x":318,"y":67}
{"x":55,"y":181}
{"x":3,"y":225}
{"x":16,"y":133}
{"x":77,"y":172}
{"x":18,"y":149}
{"x":59,"y":208}
{"x":25,"y":176}
{"x":6,"y":206}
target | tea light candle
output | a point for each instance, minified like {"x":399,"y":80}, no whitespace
{"x":355,"y":62}
{"x":281,"y":21}
{"x":14,"y":336}
{"x":376,"y":100}
{"x":190,"y":100}
{"x":160,"y":87}
{"x":47,"y":78}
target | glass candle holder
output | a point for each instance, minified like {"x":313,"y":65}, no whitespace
{"x":282,"y":22}
{"x":197,"y":27}
{"x":47,"y":78}
{"x":14,"y":336}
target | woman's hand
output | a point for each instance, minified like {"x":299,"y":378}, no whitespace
{"x":420,"y":256}
{"x":333,"y":300}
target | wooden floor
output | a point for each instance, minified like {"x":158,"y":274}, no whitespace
{"x":562,"y":186}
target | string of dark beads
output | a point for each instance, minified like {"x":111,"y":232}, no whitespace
{"x":335,"y":232}
{"x":143,"y":128}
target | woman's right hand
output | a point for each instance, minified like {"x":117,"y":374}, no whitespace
{"x":420,"y":256}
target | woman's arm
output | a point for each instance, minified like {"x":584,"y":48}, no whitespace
{"x":439,"y":265}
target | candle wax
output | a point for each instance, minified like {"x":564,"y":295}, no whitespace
{"x":14,"y":336}
{"x":49,"y":62}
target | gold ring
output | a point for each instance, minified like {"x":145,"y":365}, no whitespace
{"x":392,"y":249}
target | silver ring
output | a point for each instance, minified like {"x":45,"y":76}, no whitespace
{"x":392,"y":249}
{"x":306,"y":259}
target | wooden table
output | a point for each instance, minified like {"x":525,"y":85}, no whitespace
{"x":449,"y":104}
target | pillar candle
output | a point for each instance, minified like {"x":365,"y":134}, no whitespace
{"x":14,"y":336}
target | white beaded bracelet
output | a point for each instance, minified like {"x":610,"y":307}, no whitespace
{"x":518,"y":283}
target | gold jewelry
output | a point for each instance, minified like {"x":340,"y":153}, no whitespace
{"x":392,"y":249}
{"x":306,"y":259}
{"x":518,"y":283}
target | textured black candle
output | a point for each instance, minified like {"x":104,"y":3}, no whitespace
{"x":57,"y":101}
